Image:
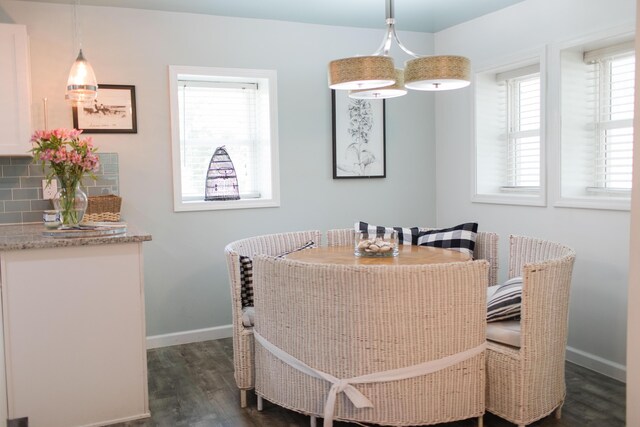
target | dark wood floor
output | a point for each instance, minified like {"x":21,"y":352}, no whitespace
{"x":192,"y":385}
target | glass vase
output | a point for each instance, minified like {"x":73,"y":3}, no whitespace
{"x":72,"y":202}
{"x":383,"y":244}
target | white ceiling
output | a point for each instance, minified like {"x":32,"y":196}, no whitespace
{"x":411,"y":15}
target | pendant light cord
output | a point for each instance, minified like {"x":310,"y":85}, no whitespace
{"x":78,"y":31}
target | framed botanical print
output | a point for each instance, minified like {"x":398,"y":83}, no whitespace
{"x":358,"y":137}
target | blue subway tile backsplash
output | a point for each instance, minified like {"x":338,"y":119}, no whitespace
{"x":21,"y":187}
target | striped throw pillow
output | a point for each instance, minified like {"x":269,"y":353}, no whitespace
{"x":504,"y":301}
{"x":246,"y":281}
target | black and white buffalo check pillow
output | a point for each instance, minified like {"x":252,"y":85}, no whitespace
{"x":246,"y":273}
{"x":460,"y":238}
{"x":406,"y":235}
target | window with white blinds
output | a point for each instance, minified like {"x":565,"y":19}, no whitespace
{"x":597,"y":83}
{"x":231,"y":108}
{"x":612,"y":82}
{"x":214,"y":114}
{"x":509,"y":105}
{"x":523,"y":138}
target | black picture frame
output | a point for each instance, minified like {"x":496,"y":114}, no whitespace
{"x":359,"y":137}
{"x":113,"y":111}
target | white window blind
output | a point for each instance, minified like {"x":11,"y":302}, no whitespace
{"x":214,"y":114}
{"x":523,"y":132}
{"x":612,"y":81}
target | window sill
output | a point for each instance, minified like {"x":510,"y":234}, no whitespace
{"x":510,"y":199}
{"x":595,"y":202}
{"x":609,"y":192}
{"x":534,"y":191}
{"x":201,"y":205}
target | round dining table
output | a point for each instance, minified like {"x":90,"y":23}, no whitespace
{"x":407,"y":255}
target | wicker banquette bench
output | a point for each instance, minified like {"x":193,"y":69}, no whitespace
{"x":526,"y":357}
{"x":384,"y":344}
{"x":239,"y":253}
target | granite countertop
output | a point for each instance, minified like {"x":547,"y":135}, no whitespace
{"x":30,"y":236}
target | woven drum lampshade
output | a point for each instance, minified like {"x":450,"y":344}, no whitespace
{"x":361,"y":72}
{"x":437,"y":72}
{"x":393,"y":91}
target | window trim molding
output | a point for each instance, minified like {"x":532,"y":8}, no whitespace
{"x":611,"y":36}
{"x":520,"y":61}
{"x":240,"y":74}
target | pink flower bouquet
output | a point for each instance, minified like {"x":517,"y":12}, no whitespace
{"x":69,"y":158}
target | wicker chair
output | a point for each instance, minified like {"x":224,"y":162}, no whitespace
{"x":340,"y":237}
{"x":355,"y":321}
{"x":486,"y":247}
{"x":525,"y":375}
{"x":273,"y":244}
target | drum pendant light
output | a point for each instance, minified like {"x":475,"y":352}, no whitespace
{"x":437,"y":72}
{"x":374,"y":76}
{"x":361,"y":72}
{"x":393,"y":91}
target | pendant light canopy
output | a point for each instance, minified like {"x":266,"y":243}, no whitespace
{"x":82,"y":85}
{"x":374,"y":77}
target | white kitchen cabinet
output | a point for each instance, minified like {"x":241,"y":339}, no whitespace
{"x":15,"y":98}
{"x":74,"y":334}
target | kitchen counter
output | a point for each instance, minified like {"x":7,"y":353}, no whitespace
{"x":72,"y":328}
{"x":29,"y":236}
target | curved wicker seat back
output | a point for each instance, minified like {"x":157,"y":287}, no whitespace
{"x":272,"y":244}
{"x":487,"y":248}
{"x":340,"y":237}
{"x":350,"y":321}
{"x":527,"y":383}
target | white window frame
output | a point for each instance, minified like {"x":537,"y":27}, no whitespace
{"x":267,"y":81}
{"x":574,"y":187}
{"x":488,"y":143}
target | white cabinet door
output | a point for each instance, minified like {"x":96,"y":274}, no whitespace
{"x":74,"y":334}
{"x":15,"y":101}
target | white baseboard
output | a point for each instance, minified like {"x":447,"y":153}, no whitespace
{"x":186,"y":337}
{"x":597,"y":363}
{"x":579,"y":357}
{"x":120,"y":420}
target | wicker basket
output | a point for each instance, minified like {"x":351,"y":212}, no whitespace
{"x":103,"y":208}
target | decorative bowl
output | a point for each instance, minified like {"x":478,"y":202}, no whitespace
{"x":376,"y":244}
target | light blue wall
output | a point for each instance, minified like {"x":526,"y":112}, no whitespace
{"x":185,"y":274}
{"x":597,"y":312}
{"x":186,"y":285}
